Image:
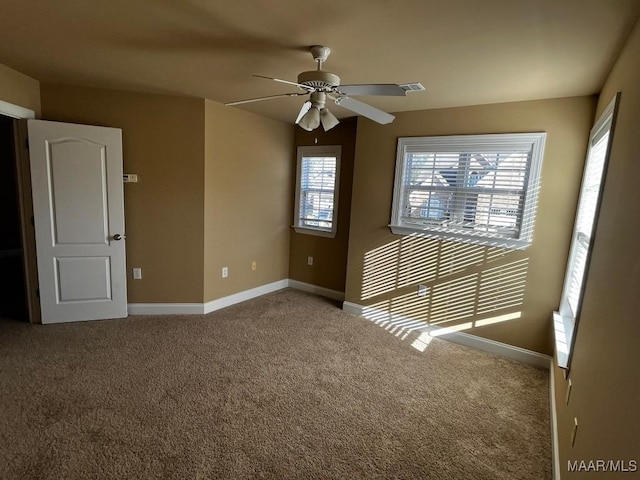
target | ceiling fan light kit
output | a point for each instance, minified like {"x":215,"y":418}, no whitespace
{"x":310,"y":120}
{"x":319,"y":85}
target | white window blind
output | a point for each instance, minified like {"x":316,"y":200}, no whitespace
{"x":585,"y":219}
{"x":468,"y":187}
{"x":317,"y":190}
{"x":583,"y":234}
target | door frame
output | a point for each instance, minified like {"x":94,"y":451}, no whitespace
{"x":25,"y":201}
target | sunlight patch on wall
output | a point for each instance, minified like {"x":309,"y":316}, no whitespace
{"x":453,"y":300}
{"x":415,"y":259}
{"x":418,"y":260}
{"x":387,"y":314}
{"x":491,"y":296}
{"x":502,"y":287}
{"x":498,"y":319}
{"x":456,"y":257}
{"x":454,"y":328}
{"x":403,"y":327}
{"x":380,"y":271}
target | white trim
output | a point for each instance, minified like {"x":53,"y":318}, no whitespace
{"x":322,"y":291}
{"x":217,"y":304}
{"x":352,"y":308}
{"x":165,"y":309}
{"x":563,"y":333}
{"x":317,"y":151}
{"x":315,"y":231}
{"x":15,"y":111}
{"x":555,"y":448}
{"x":509,"y":351}
{"x":204,"y":308}
{"x":239,"y":297}
{"x":504,"y":142}
{"x":476,"y":239}
{"x":566,"y":319}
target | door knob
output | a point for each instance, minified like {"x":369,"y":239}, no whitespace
{"x":117,"y":237}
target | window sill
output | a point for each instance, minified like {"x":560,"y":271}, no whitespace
{"x":563,"y":333}
{"x":313,"y":231}
{"x":460,"y":237}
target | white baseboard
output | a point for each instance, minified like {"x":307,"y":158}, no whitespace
{"x":165,"y":309}
{"x":406,"y":323}
{"x":555,"y":448}
{"x":322,"y":291}
{"x":217,"y":304}
{"x":224,"y":302}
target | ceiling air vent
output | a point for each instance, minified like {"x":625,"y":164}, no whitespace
{"x":412,"y":87}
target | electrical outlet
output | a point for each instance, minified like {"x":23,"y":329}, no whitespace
{"x":137,"y":273}
{"x":309,"y":260}
{"x":254,"y":265}
{"x":225,"y":272}
{"x":422,"y":290}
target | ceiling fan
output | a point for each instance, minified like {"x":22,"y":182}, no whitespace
{"x":320,"y":85}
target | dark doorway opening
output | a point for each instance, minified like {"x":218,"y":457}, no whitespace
{"x":13,"y":290}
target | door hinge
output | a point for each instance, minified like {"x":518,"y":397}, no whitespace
{"x":38,"y":292}
{"x":33,"y":221}
{"x":26,"y":143}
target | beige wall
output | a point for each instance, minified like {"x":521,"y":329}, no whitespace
{"x":604,"y":369}
{"x":329,"y":267}
{"x":247,"y":200}
{"x":19,"y":89}
{"x":163,"y":141}
{"x":384,"y":269}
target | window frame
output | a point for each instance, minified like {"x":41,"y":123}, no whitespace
{"x":317,"y":151}
{"x":473,"y":144}
{"x":565,"y":320}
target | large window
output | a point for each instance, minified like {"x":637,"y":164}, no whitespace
{"x":317,"y":190}
{"x":583,"y":234}
{"x":476,"y":188}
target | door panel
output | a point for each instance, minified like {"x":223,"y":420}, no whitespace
{"x":77,"y":170}
{"x":83,"y":278}
{"x":78,"y":204}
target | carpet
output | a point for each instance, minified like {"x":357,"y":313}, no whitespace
{"x":285,"y":386}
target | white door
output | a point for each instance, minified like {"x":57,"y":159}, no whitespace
{"x":78,"y":205}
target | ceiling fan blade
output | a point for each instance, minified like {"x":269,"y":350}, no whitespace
{"x":389,"y":89}
{"x":363,"y":109}
{"x":306,"y":87}
{"x":259,"y":99}
{"x":305,"y":108}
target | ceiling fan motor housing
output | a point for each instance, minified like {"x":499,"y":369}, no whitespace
{"x":319,"y":80}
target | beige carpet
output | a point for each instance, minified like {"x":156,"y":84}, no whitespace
{"x":283,"y":386}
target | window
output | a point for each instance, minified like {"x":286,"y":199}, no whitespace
{"x":475,"y":188}
{"x":583,"y":233}
{"x":317,"y":190}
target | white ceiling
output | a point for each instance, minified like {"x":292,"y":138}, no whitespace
{"x":464,"y":52}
